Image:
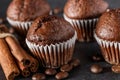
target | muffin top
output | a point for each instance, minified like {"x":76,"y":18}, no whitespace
{"x":85,"y":9}
{"x":108,"y":27}
{"x":50,"y":30}
{"x":27,"y":10}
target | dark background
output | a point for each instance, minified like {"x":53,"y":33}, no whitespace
{"x":83,"y":51}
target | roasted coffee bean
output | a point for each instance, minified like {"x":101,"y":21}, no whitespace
{"x":39,"y":76}
{"x":75,"y":62}
{"x":96,"y":68}
{"x":50,"y":72}
{"x":66,"y":68}
{"x":11,"y":30}
{"x":1,"y":21}
{"x":116,"y":68}
{"x":61,"y":75}
{"x":57,"y":10}
{"x":96,"y":58}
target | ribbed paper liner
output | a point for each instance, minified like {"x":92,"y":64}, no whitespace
{"x":54,"y":55}
{"x":84,"y":28}
{"x":110,"y":50}
{"x":22,"y":26}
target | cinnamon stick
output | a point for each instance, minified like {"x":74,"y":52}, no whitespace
{"x":18,"y":52}
{"x":24,"y":70}
{"x":34,"y":65}
{"x":7,"y":61}
{"x":21,"y":55}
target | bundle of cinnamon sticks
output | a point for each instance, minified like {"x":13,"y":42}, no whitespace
{"x":13,"y":58}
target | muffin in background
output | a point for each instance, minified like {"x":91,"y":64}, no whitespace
{"x":107,"y":34}
{"x":83,"y":15}
{"x":51,"y":40}
{"x":21,"y":13}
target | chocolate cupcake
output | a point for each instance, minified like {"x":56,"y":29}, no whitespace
{"x":21,"y":13}
{"x":83,"y":15}
{"x":51,"y":40}
{"x":108,"y":37}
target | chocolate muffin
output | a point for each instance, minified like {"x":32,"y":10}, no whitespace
{"x":21,"y":13}
{"x":83,"y":15}
{"x":51,"y":40}
{"x":108,"y":37}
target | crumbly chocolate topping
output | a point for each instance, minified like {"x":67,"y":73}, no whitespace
{"x":85,"y":9}
{"x":50,"y":30}
{"x":27,"y":10}
{"x":108,"y":27}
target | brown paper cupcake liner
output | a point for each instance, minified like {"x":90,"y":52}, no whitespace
{"x":110,"y":50}
{"x":54,"y":55}
{"x":84,"y":28}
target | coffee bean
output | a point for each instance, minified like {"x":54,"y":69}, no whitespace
{"x":116,"y":68}
{"x":38,"y":76}
{"x":1,"y":21}
{"x":57,"y":10}
{"x":75,"y":62}
{"x":50,"y":72}
{"x":96,"y":58}
{"x":96,"y":68}
{"x":61,"y":75}
{"x":66,"y":68}
{"x":11,"y":30}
